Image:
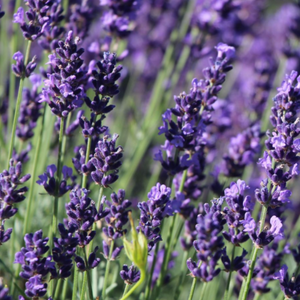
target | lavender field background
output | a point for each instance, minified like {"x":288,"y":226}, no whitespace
{"x":149,"y":149}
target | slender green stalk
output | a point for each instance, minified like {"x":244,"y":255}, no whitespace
{"x":142,"y":278}
{"x":227,"y":295}
{"x":88,"y":151}
{"x":26,"y":228}
{"x":107,"y":270}
{"x":64,"y":142}
{"x":148,"y":288}
{"x":75,"y":283}
{"x":12,"y":77}
{"x":125,"y":289}
{"x":256,"y":297}
{"x":65,"y":289}
{"x":86,"y":281}
{"x":182,"y":276}
{"x":17,"y":110}
{"x":59,"y":168}
{"x":192,"y":289}
{"x":203,"y":290}
{"x":57,"y":289}
{"x":169,"y":249}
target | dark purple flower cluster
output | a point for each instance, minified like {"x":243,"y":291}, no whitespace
{"x":64,"y":91}
{"x":241,"y":151}
{"x":52,"y":32}
{"x":37,"y":15}
{"x":10,"y":194}
{"x":35,"y":266}
{"x":20,"y":69}
{"x":153,"y":212}
{"x":209,"y":243}
{"x":234,"y":213}
{"x":192,"y":113}
{"x":267,"y":265}
{"x":236,"y":264}
{"x":106,"y":161}
{"x":51,"y":185}
{"x":289,"y":286}
{"x":30,"y":110}
{"x":130,"y":275}
{"x":116,"y":219}
{"x":117,"y":20}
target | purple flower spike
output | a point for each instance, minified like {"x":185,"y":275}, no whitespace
{"x":4,"y":291}
{"x":20,"y":69}
{"x":130,"y":275}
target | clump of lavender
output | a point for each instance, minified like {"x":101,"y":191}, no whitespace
{"x":209,"y":243}
{"x":30,"y":110}
{"x":192,"y":113}
{"x":64,"y":91}
{"x":153,"y":212}
{"x":35,"y":266}
{"x":10,"y":194}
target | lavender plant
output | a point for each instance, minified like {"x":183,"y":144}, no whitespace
{"x":113,"y":189}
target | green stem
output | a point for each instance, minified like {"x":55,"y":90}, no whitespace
{"x":58,"y":288}
{"x":12,"y":77}
{"x":75,"y":284}
{"x":107,"y":269}
{"x":87,"y":156}
{"x":192,"y":288}
{"x":86,"y":280}
{"x":169,"y":249}
{"x":33,"y":172}
{"x":182,"y":276}
{"x":227,"y":295}
{"x":17,"y":110}
{"x":58,"y":176}
{"x":203,"y":291}
{"x":143,"y":276}
{"x":65,"y":289}
{"x":256,"y":296}
{"x":125,"y":289}
{"x":148,"y":288}
{"x":64,"y":142}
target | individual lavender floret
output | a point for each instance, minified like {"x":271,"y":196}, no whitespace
{"x":241,"y":151}
{"x":64,"y":91}
{"x":35,"y":267}
{"x":20,"y":69}
{"x":289,"y":286}
{"x":265,"y":237}
{"x":3,"y":290}
{"x":152,"y":213}
{"x":209,"y":244}
{"x":92,"y":261}
{"x":92,"y":127}
{"x":237,"y":263}
{"x":21,"y":157}
{"x":2,"y":13}
{"x":30,"y":110}
{"x":158,"y":265}
{"x":106,"y":161}
{"x":130,"y":275}
{"x":50,"y":184}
